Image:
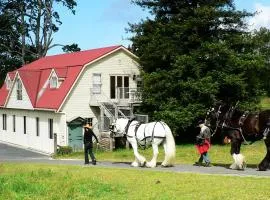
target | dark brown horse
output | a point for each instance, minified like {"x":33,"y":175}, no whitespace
{"x":241,"y":127}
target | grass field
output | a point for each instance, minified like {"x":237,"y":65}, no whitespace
{"x":37,"y":181}
{"x":50,"y":182}
{"x":265,"y":103}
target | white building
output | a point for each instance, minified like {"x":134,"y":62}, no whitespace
{"x":56,"y":95}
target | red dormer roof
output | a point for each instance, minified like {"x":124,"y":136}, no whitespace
{"x":35,"y":76}
{"x":3,"y":94}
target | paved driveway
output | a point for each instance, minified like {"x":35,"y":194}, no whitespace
{"x":8,"y":152}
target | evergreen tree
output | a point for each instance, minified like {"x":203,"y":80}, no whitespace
{"x":193,"y":53}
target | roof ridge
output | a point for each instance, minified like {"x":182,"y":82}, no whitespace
{"x":76,"y":52}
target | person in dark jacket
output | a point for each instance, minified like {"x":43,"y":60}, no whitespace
{"x":88,"y":144}
{"x":203,"y":144}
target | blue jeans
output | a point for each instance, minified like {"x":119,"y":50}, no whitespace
{"x":205,"y":157}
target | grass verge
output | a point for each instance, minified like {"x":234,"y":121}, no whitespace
{"x":35,"y":181}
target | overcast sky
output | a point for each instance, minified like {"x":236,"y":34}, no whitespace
{"x":100,"y":23}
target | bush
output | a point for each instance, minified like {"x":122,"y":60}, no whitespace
{"x":64,"y":150}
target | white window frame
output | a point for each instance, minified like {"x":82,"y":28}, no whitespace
{"x":96,"y":83}
{"x":53,"y":82}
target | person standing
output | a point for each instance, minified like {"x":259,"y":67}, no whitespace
{"x":88,"y":144}
{"x":203,"y":144}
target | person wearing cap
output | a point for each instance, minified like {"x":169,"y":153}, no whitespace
{"x":203,"y":144}
{"x":88,"y":144}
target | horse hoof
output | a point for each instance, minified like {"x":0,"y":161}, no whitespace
{"x":261,"y":169}
{"x":150,"y":165}
{"x":143,"y":164}
{"x":233,"y":166}
{"x":134,"y":164}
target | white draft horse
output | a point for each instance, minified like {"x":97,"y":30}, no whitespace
{"x":153,"y":133}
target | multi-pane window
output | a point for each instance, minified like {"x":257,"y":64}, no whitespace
{"x":14,"y":123}
{"x":96,"y":83}
{"x":53,"y":82}
{"x":89,"y":121}
{"x":37,"y":126}
{"x":24,"y":125}
{"x":119,"y":87}
{"x":4,"y":121}
{"x":50,"y":128}
{"x":19,"y":89}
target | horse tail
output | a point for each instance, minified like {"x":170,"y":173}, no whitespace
{"x":169,"y":145}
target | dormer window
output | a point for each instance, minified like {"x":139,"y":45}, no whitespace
{"x":53,"y":82}
{"x":19,"y":89}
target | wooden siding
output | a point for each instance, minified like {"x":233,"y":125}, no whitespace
{"x":77,"y":103}
{"x":25,"y":103}
{"x":40,"y":143}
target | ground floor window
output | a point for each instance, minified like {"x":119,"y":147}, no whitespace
{"x":37,"y":126}
{"x":89,"y":121}
{"x":14,"y":123}
{"x":50,"y":121}
{"x":24,"y":124}
{"x":4,"y":121}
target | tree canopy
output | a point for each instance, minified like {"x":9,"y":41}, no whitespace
{"x":193,"y":53}
{"x":26,"y":31}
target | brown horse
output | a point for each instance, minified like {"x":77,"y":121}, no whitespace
{"x":239,"y":127}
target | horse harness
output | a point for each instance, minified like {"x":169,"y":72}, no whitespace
{"x":241,"y":122}
{"x":143,"y":146}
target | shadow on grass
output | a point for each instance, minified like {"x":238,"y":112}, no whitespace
{"x":227,"y":166}
{"x":129,"y":163}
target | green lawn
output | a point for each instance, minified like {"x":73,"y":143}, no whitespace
{"x":41,"y":181}
{"x":36,"y":181}
{"x":265,"y":103}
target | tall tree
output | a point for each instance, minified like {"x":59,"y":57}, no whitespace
{"x":9,"y":45}
{"x":28,"y":34}
{"x":193,"y":53}
{"x":261,"y":44}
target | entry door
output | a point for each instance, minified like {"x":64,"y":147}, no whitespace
{"x":119,"y":85}
{"x":75,"y":138}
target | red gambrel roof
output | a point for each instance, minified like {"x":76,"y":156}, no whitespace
{"x":35,"y":76}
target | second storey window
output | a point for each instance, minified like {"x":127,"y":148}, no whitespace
{"x":4,"y":122}
{"x":19,"y":89}
{"x":53,"y":82}
{"x":96,"y":83}
{"x":119,"y":87}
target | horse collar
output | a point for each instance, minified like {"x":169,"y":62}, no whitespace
{"x":128,"y":124}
